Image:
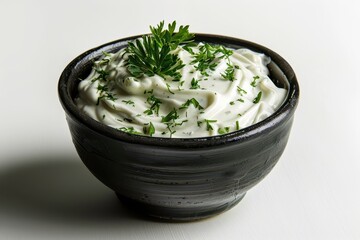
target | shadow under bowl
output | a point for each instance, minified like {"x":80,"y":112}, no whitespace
{"x":180,"y":179}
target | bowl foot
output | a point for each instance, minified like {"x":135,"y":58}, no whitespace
{"x":176,"y":214}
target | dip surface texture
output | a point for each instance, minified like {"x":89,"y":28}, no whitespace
{"x":225,"y":93}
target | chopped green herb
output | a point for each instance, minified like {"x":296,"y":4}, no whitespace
{"x":128,"y":120}
{"x":240,"y":100}
{"x":149,"y":130}
{"x":129,"y":102}
{"x":105,"y":60}
{"x":129,"y":130}
{"x":104,"y":93}
{"x":102,"y":74}
{"x":192,"y":101}
{"x":172,"y":115}
{"x":232,"y":103}
{"x":107,"y":96}
{"x":102,"y":88}
{"x":229,"y":73}
{"x":253,"y":83}
{"x":170,"y":130}
{"x":149,"y":91}
{"x":188,"y":47}
{"x":237,"y":125}
{"x":181,"y":123}
{"x":168,"y":88}
{"x":224,"y":130}
{"x":155,"y":105}
{"x":208,"y":124}
{"x":106,"y":54}
{"x":258,"y":97}
{"x":226,"y":52}
{"x":241,"y":91}
{"x":206,"y":57}
{"x":194,"y":84}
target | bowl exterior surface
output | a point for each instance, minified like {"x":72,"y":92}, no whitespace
{"x":179,"y":183}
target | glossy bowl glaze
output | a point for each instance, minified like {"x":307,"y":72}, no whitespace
{"x":180,"y":179}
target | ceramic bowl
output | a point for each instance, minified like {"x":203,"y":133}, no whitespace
{"x":180,"y":179}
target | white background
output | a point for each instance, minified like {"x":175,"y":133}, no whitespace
{"x":312,"y":193}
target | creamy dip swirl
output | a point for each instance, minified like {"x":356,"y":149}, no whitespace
{"x":196,"y":105}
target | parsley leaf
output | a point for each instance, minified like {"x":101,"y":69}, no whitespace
{"x":194,"y":84}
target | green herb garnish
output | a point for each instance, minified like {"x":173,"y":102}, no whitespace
{"x":129,"y":130}
{"x":194,"y":84}
{"x":253,"y":83}
{"x":107,"y":96}
{"x":205,"y":59}
{"x":155,"y":105}
{"x":224,"y":130}
{"x":102,"y":74}
{"x":149,"y":91}
{"x":171,"y":116}
{"x":129,"y":120}
{"x":149,"y":130}
{"x":258,"y":97}
{"x":152,"y":55}
{"x":208,"y":124}
{"x":229,"y":73}
{"x":237,"y":125}
{"x":130,"y":102}
{"x":241,"y":91}
{"x":172,"y":131}
{"x":168,"y":88}
{"x":102,"y":88}
{"x":192,"y":101}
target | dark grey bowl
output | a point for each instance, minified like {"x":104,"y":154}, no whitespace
{"x":180,"y":179}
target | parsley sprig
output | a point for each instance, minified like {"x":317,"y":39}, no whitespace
{"x":152,"y":54}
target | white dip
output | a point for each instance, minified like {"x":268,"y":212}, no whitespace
{"x":236,"y":94}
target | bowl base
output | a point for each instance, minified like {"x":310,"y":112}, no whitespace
{"x":176,"y":214}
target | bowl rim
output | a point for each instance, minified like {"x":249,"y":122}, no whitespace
{"x":281,"y":115}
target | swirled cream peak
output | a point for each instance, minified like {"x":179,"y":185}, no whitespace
{"x":233,"y":92}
